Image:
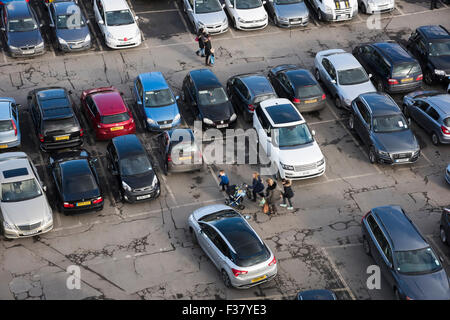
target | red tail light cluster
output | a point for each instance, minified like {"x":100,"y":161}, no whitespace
{"x":14,"y":126}
{"x":295,"y":100}
{"x":274,"y":261}
{"x":41,"y":138}
{"x":169,"y":158}
{"x":445,"y":130}
{"x":68,"y":205}
{"x":251,"y":107}
{"x":238,"y":272}
{"x":420,"y":77}
{"x":323,"y":96}
{"x":98,"y":200}
{"x":81,"y":132}
{"x":392,"y":81}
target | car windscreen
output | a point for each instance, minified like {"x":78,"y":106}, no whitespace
{"x":309,"y":91}
{"x":293,"y":135}
{"x":389,"y":123}
{"x":287,"y":1}
{"x":20,"y":190}
{"x":6,"y":125}
{"x":447,"y":122}
{"x":420,"y":261}
{"x":259,"y":99}
{"x":135,"y":165}
{"x":66,"y":124}
{"x":440,"y":48}
{"x":248,"y":4}
{"x":158,"y":98}
{"x":119,"y":18}
{"x":249,"y":249}
{"x":115,"y":118}
{"x":22,"y":25}
{"x":79,"y":184}
{"x":352,"y":76}
{"x":406,"y":69}
{"x":212,"y":96}
{"x":70,"y":21}
{"x":207,"y":6}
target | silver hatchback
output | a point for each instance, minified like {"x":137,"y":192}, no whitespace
{"x":240,"y":255}
{"x":9,"y":123}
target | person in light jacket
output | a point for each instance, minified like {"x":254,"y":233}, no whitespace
{"x":272,"y":196}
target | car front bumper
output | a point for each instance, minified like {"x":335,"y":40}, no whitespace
{"x":373,"y":8}
{"x":138,"y":196}
{"x":252,"y":25}
{"x":293,"y":22}
{"x":162,"y":126}
{"x":21,"y":54}
{"x":81,"y":46}
{"x":16,"y":234}
{"x":116,"y":44}
{"x":304,"y":174}
{"x":392,"y":159}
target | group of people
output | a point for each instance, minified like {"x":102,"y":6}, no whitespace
{"x":270,"y":195}
{"x":205,"y":47}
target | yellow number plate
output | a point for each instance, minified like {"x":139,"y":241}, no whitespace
{"x":3,"y":146}
{"x":311,"y":101}
{"x":116,"y":128}
{"x":62,"y":138}
{"x":85,"y":203}
{"x":259,"y":279}
{"x":185,"y":158}
{"x":407,"y":80}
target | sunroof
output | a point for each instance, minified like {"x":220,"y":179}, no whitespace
{"x":283,"y":113}
{"x":15,"y":173}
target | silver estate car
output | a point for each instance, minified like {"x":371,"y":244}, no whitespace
{"x":288,"y":13}
{"x":9,"y":123}
{"x":24,"y":209}
{"x":206,"y":14}
{"x":240,"y":255}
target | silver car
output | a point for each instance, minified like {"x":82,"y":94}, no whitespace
{"x":343,"y":75}
{"x":288,"y":13}
{"x":206,"y":14}
{"x":9,"y":123}
{"x":24,"y":209}
{"x":240,"y":255}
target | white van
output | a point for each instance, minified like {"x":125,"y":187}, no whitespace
{"x":335,"y":10}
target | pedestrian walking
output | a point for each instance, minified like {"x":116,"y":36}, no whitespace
{"x":272,"y":195}
{"x":208,"y":50}
{"x":257,"y":186}
{"x":287,"y":194}
{"x":201,"y":35}
{"x":433,"y":4}
{"x":224,"y":181}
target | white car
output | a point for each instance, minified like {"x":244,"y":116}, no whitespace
{"x":247,"y":14}
{"x":287,"y":140}
{"x":335,"y":10}
{"x":206,"y":14}
{"x":376,"y":6}
{"x":343,"y":75}
{"x":117,"y":23}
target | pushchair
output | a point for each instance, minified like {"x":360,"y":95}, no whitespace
{"x":236,"y":195}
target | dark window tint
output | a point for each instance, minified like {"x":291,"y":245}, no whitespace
{"x":363,"y":111}
{"x":6,"y":125}
{"x":67,"y":125}
{"x":406,"y":69}
{"x":115,"y":118}
{"x":283,"y":113}
{"x":72,"y":185}
{"x":134,"y":165}
{"x":417,"y":261}
{"x":433,"y":113}
{"x":249,"y":250}
{"x":309,"y":91}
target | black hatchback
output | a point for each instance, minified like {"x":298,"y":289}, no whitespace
{"x":130,"y":163}
{"x":76,"y":180}
{"x":209,"y":102}
{"x":393,"y":69}
{"x":299,"y":86}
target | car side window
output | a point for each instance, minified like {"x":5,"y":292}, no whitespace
{"x":219,"y":242}
{"x":433,"y":113}
{"x":139,"y":89}
{"x":326,"y":65}
{"x":263,"y":120}
{"x":363,"y":111}
{"x":91,"y":105}
{"x":332,"y":72}
{"x":422,"y":105}
{"x":14,"y":111}
{"x":421,"y":46}
{"x":286,"y":83}
{"x":57,"y":171}
{"x":378,"y":234}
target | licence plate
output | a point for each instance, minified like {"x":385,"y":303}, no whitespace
{"x":163,"y":126}
{"x":27,"y":51}
{"x":259,"y":278}
{"x":311,"y":101}
{"x":407,"y":80}
{"x":3,"y":146}
{"x":62,"y":138}
{"x":76,"y":46}
{"x":85,"y":203}
{"x":305,"y":173}
{"x":402,"y":160}
{"x":144,"y":197}
{"x":27,"y":233}
{"x":219,"y":126}
{"x":185,"y":158}
{"x":116,"y":128}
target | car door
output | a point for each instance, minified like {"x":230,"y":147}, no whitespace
{"x":432,"y":120}
{"x":52,"y":16}
{"x":205,"y":239}
{"x":328,"y":74}
{"x":139,"y":94}
{"x":362,"y":122}
{"x":258,"y":121}
{"x":241,"y":95}
{"x":230,"y":5}
{"x":362,"y":53}
{"x":418,"y":112}
{"x":287,"y":88}
{"x":56,"y":173}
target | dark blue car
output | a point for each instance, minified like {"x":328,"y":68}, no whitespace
{"x":445,"y":225}
{"x":407,"y":262}
{"x":156,"y":102}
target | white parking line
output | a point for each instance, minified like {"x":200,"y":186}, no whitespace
{"x":327,"y":121}
{"x":399,"y":10}
{"x":426,"y":158}
{"x":348,"y":245}
{"x":169,"y":190}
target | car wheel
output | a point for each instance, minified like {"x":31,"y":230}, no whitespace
{"x":434,"y":139}
{"x":366,"y":246}
{"x":320,"y":15}
{"x":338,"y":102}
{"x":372,"y":155}
{"x":405,"y":111}
{"x":379,"y":86}
{"x":443,"y":236}
{"x":363,"y":8}
{"x":397,"y":295}
{"x":428,"y":77}
{"x":351,"y":122}
{"x":317,"y":74}
{"x":226,"y":279}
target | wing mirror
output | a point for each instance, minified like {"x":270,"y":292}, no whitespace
{"x":51,"y":25}
{"x":41,"y":25}
{"x":18,"y":106}
{"x":44,"y":188}
{"x":3,"y":29}
{"x":136,"y":18}
{"x":313,"y":133}
{"x":333,"y":81}
{"x":264,"y":2}
{"x":177,"y":98}
{"x":370,"y":75}
{"x":231,"y":5}
{"x":101,"y":22}
{"x":223,"y":5}
{"x":409,"y":121}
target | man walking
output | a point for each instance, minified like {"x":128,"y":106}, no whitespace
{"x":201,"y":42}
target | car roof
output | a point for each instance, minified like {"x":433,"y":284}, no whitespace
{"x":13,"y":161}
{"x":204,"y":78}
{"x":380,"y":104}
{"x":281,"y":112}
{"x":301,"y":77}
{"x":113,"y":5}
{"x":109,"y":102}
{"x":257,"y":84}
{"x":343,"y":61}
{"x":441,"y":102}
{"x":402,"y":233}
{"x":153,"y":81}
{"x":5,"y":111}
{"x":393,"y":52}
{"x":434,"y":32}
{"x":17,"y":9}
{"x":75,"y":167}
{"x":127,"y":144}
{"x":61,"y":8}
{"x":49,"y":109}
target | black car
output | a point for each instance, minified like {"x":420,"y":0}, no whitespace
{"x":382,"y":127}
{"x":246,"y":91}
{"x":54,"y":118}
{"x":130,"y":163}
{"x":209,"y":102}
{"x":393,"y":69}
{"x":445,"y":226}
{"x":21,"y":29}
{"x":76,"y":181}
{"x":407,"y":262}
{"x":319,"y":294}
{"x":299,"y":86}
{"x":431,"y":46}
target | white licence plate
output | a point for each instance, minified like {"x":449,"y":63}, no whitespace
{"x":27,"y":51}
{"x":27,"y":233}
{"x":144,"y":197}
{"x":220,"y":126}
{"x":305,"y":173}
{"x":164,"y":126}
{"x":76,"y":46}
{"x":402,"y":160}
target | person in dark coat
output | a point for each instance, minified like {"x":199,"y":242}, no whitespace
{"x":433,"y":4}
{"x":201,"y":42}
{"x":208,"y":48}
{"x":287,"y":194}
{"x":257,"y":186}
{"x":272,"y":195}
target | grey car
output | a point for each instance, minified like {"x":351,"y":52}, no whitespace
{"x":431,"y":111}
{"x":240,"y":255}
{"x":21,"y":32}
{"x":288,"y":13}
{"x":24,"y":209}
{"x":69,"y":26}
{"x":206,"y":14}
{"x":9,"y":123}
{"x":380,"y":124}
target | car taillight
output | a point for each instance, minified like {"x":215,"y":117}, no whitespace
{"x":98,"y":200}
{"x":169,"y":158}
{"x":41,"y":138}
{"x":274,"y":261}
{"x":81,"y":132}
{"x":408,"y":298}
{"x":251,"y":107}
{"x":238,"y":272}
{"x":14,"y":126}
{"x":323,"y":96}
{"x":68,"y":205}
{"x":419,"y":77}
{"x":295,"y":100}
{"x":392,"y":81}
{"x":445,"y":130}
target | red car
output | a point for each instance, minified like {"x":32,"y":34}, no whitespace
{"x":107,"y":113}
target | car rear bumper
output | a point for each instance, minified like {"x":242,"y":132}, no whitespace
{"x":19,"y":54}
{"x":406,"y":87}
{"x":310,"y":107}
{"x":10,"y":144}
{"x":70,"y":48}
{"x":10,"y":234}
{"x":444,"y":138}
{"x":97,"y":206}
{"x":371,"y":9}
{"x":185,"y":167}
{"x":247,"y":283}
{"x":107,"y":135}
{"x":46,"y":146}
{"x":133,"y":197}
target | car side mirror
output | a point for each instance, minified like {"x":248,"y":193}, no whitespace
{"x":94,"y":160}
{"x":441,"y":258}
{"x":269,"y":139}
{"x":139,"y":102}
{"x":44,"y":188}
{"x":264,"y":2}
{"x":51,"y":25}
{"x":177,"y":98}
{"x":189,"y":9}
{"x":223,"y":5}
{"x":18,"y":106}
{"x":409,"y":121}
{"x":313,"y":133}
{"x":136,"y":18}
{"x":41,"y":25}
{"x":101,"y":22}
{"x":370,"y":75}
{"x":3,"y":29}
{"x":231,"y":5}
{"x":333,"y":81}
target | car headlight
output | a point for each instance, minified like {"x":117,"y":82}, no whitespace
{"x":13,"y":48}
{"x":62,"y":41}
{"x":125,"y":186}
{"x":8,"y":226}
{"x":233,"y":117}
{"x":241,"y":20}
{"x":48,"y":218}
{"x":151,"y":121}
{"x":88,"y":38}
{"x":177,"y":117}
{"x":320,"y":162}
{"x":347,"y":102}
{"x":287,"y":167}
{"x":208,"y":121}
{"x":383,"y":153}
{"x":283,"y":19}
{"x":110,"y":36}
{"x":439,"y":72}
{"x":40,"y":45}
{"x":155,"y":181}
{"x":201,"y":24}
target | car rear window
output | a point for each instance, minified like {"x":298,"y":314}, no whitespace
{"x":66,"y":125}
{"x":72,"y":184}
{"x":6,"y":125}
{"x":259,"y":99}
{"x":447,"y":122}
{"x":249,"y":249}
{"x":309,"y":91}
{"x":405,"y":69}
{"x":115,"y":118}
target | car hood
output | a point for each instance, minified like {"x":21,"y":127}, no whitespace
{"x":22,"y":39}
{"x":251,"y":14}
{"x":441,"y":63}
{"x":125,"y":31}
{"x":433,"y":286}
{"x":78,"y":34}
{"x":212,"y":18}
{"x":218,"y":112}
{"x":25,"y":212}
{"x":162,"y":113}
{"x":139,"y":181}
{"x":392,"y":142}
{"x":301,"y":155}
{"x":295,"y":10}
{"x":352,"y":91}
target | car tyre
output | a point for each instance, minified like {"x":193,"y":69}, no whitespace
{"x":317,"y":74}
{"x":443,"y":236}
{"x":320,"y":15}
{"x":226,"y":279}
{"x":363,"y":8}
{"x":379,"y":85}
{"x":435,"y":139}
{"x":338,"y":102}
{"x":372,"y":155}
{"x":166,"y":168}
{"x":366,"y":247}
{"x":351,"y":122}
{"x":428,"y":77}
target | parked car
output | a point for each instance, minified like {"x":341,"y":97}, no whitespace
{"x":431,"y":46}
{"x":10,"y":136}
{"x":21,"y":29}
{"x":343,"y":75}
{"x":444,"y":227}
{"x":117,"y":23}
{"x":76,"y":180}
{"x":246,"y":91}
{"x":179,"y":152}
{"x":287,"y":140}
{"x":431,"y":111}
{"x":240,"y":255}
{"x":320,"y":294}
{"x":107,"y":113}
{"x":288,"y":13}
{"x":299,"y":86}
{"x":156,"y":102}
{"x":247,"y":14}
{"x":25,"y":211}
{"x":447,"y":174}
{"x":376,"y":6}
{"x":69,"y":26}
{"x":380,"y":124}
{"x":129,"y":162}
{"x":54,"y":118}
{"x":392,"y":67}
{"x":407,"y":262}
{"x":204,"y":94}
{"x":330,"y":10}
{"x":206,"y":14}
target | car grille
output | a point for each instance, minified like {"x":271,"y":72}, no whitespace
{"x":126,"y":45}
{"x":75,"y":43}
{"x":344,"y":11}
{"x":143,"y":189}
{"x":255,"y":21}
{"x":295,"y":20}
{"x":27,"y":48}
{"x":29,"y":226}
{"x":217,"y":26}
{"x":164,"y":122}
{"x":305,"y":167}
{"x":405,"y":155}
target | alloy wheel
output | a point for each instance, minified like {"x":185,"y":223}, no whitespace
{"x":351,"y":122}
{"x":434,"y":139}
{"x":226,"y":279}
{"x":372,"y":155}
{"x":443,"y":236}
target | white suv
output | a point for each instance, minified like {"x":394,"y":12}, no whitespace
{"x":247,"y":14}
{"x":376,"y":6}
{"x":287,"y":140}
{"x":117,"y":23}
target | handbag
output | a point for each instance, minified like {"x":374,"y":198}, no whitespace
{"x":266,"y":208}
